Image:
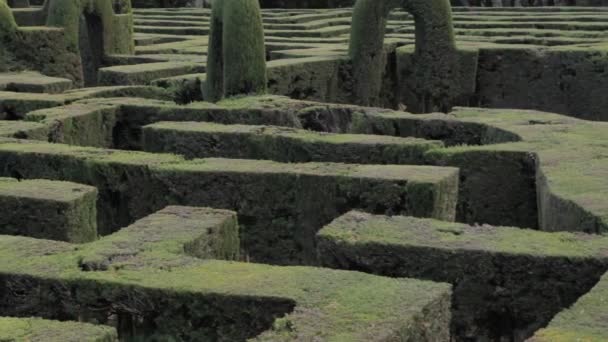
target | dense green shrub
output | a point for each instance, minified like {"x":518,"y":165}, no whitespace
{"x":433,"y":78}
{"x":161,"y":3}
{"x":7,"y":32}
{"x":306,"y":3}
{"x":7,"y":21}
{"x":236,"y":61}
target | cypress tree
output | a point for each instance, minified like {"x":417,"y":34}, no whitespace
{"x":237,"y":55}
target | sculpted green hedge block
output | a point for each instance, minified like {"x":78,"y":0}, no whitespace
{"x":145,"y":73}
{"x":33,"y":82}
{"x":571,"y":170}
{"x":434,"y":78}
{"x":78,"y":124}
{"x":126,"y":189}
{"x":583,"y":321}
{"x":117,"y":29}
{"x":22,"y":130}
{"x":134,"y":113}
{"x":7,"y":34}
{"x":367,"y":48}
{"x":54,"y":49}
{"x":154,"y":290}
{"x":236,"y":62}
{"x":16,"y":105}
{"x":304,"y":197}
{"x":280,"y":206}
{"x":48,"y":210}
{"x":204,"y":140}
{"x":39,"y":330}
{"x":57,"y":52}
{"x":572,"y":80}
{"x":199,"y":232}
{"x":7,"y":21}
{"x":529,"y":155}
{"x":507,"y":149}
{"x":44,"y":49}
{"x":494,"y":169}
{"x":520,"y":278}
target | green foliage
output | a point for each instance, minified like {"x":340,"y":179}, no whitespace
{"x":7,"y":21}
{"x":214,"y":86}
{"x":7,"y":32}
{"x":367,"y":49}
{"x":236,"y":61}
{"x":117,"y":29}
{"x":161,"y":3}
{"x":37,"y":329}
{"x":434,"y":75}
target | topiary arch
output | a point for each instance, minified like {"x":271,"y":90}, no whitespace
{"x":435,"y":55}
{"x":8,"y":28}
{"x":103,"y":30}
{"x":59,"y":52}
{"x":7,"y":22}
{"x":236,"y":59}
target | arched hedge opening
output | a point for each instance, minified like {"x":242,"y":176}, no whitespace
{"x":8,"y":29}
{"x":90,"y":46}
{"x":93,"y":30}
{"x":433,"y":77}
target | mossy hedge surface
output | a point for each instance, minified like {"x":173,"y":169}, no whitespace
{"x":280,"y":230}
{"x":117,"y":28}
{"x":8,"y":27}
{"x":571,"y":171}
{"x":516,"y":168}
{"x":306,"y":3}
{"x":78,"y":124}
{"x":192,"y":299}
{"x":33,"y":82}
{"x":309,"y":58}
{"x":509,"y":151}
{"x":7,"y":21}
{"x":431,"y":78}
{"x":49,"y":210}
{"x":204,"y":140}
{"x":237,"y":55}
{"x":199,"y":232}
{"x":520,"y":278}
{"x":56,"y":52}
{"x":315,"y":65}
{"x":39,"y":330}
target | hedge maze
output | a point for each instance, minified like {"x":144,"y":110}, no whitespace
{"x":400,"y":171}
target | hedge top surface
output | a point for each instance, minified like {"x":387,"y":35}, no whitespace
{"x":55,"y":191}
{"x":10,"y":128}
{"x":420,"y":174}
{"x":364,"y":139}
{"x":573,"y":153}
{"x":13,"y":96}
{"x":362,"y":228}
{"x":28,"y":77}
{"x":88,"y":153}
{"x":333,"y":305}
{"x":38,"y":330}
{"x":174,"y":230}
{"x":58,"y":113}
{"x":168,"y":163}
